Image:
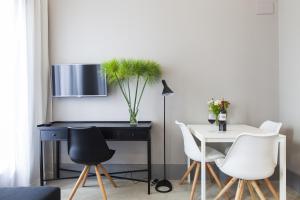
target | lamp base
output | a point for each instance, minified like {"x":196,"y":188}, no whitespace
{"x":164,"y":186}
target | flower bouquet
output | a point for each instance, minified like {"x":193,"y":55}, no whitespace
{"x":215,"y":106}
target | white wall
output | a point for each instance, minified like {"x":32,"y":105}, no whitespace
{"x":206,"y":49}
{"x":289,"y":82}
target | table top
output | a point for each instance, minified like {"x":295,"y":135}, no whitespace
{"x":211,"y":133}
{"x":102,"y":124}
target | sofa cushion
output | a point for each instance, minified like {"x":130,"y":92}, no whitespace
{"x":29,"y":193}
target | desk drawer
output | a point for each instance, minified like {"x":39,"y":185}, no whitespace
{"x":54,"y":134}
{"x":132,"y":135}
{"x":126,"y":135}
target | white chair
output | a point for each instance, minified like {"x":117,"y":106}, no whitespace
{"x":272,"y":127}
{"x":251,"y":157}
{"x":193,"y":152}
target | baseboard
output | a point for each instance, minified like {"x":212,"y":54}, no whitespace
{"x":293,"y":180}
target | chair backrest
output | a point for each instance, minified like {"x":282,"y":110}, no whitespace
{"x":252,"y":156}
{"x":270,"y":126}
{"x":191,"y":148}
{"x":87,"y":145}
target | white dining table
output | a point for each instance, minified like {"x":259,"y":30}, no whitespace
{"x":211,"y":134}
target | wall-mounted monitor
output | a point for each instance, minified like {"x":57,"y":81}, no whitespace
{"x":78,"y":80}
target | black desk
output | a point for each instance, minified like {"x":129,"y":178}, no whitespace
{"x":112,"y":130}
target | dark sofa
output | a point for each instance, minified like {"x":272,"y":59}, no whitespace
{"x":29,"y":193}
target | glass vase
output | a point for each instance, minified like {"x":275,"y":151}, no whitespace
{"x":133,"y":118}
{"x":217,"y":120}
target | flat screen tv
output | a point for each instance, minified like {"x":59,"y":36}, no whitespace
{"x":78,"y":80}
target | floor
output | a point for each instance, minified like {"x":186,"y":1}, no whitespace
{"x":130,"y":190}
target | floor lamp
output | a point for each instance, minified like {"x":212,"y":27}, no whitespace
{"x":164,"y":185}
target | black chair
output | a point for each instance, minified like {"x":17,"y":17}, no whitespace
{"x":87,"y":146}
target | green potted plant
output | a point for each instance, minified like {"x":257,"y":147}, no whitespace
{"x":123,"y":72}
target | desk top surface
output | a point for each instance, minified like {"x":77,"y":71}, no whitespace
{"x":102,"y":124}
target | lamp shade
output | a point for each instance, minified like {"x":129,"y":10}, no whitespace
{"x":166,"y":91}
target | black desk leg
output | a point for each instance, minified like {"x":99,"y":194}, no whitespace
{"x":41,"y":165}
{"x":149,"y":163}
{"x":58,"y":159}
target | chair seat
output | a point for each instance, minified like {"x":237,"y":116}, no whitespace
{"x":239,"y":173}
{"x":211,"y":154}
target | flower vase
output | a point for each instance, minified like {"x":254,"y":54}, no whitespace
{"x":133,"y":118}
{"x":217,"y":120}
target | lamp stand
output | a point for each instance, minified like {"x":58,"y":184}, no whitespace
{"x":164,"y":185}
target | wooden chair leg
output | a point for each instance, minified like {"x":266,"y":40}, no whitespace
{"x":107,"y":175}
{"x":83,"y":173}
{"x":86,"y":176}
{"x":240,"y":190}
{"x":214,"y":175}
{"x":209,"y":174}
{"x":251,"y":191}
{"x":187,"y":172}
{"x":100,"y":182}
{"x":216,"y":178}
{"x":227,"y":187}
{"x":271,"y":188}
{"x":195,"y":181}
{"x":258,"y":190}
{"x":226,"y":182}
